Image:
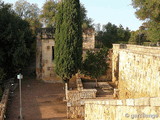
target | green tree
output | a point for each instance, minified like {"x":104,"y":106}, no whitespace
{"x":99,"y":39}
{"x":112,"y":34}
{"x":153,"y":31}
{"x":28,"y":12}
{"x":48,"y":13}
{"x":149,"y":10}
{"x":95,"y":64}
{"x":134,"y":39}
{"x":50,"y":8}
{"x":138,"y":37}
{"x":16,"y":39}
{"x":68,"y":40}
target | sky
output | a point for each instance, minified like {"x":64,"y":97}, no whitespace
{"x":103,"y":11}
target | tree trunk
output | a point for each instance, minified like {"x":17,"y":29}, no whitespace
{"x":66,"y":90}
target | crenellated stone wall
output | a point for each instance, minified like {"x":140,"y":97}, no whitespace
{"x":129,"y":109}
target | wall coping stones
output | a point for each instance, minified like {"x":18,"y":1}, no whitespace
{"x":145,"y":101}
{"x":129,"y":102}
{"x":120,"y":102}
{"x":142,"y":101}
{"x":155,"y":101}
{"x":92,"y":90}
{"x":140,"y":53}
{"x":138,"y":46}
{"x":138,"y":49}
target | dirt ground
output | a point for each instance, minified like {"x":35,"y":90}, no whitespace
{"x":40,"y":101}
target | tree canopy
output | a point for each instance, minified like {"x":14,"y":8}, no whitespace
{"x":95,"y":64}
{"x":48,"y":13}
{"x":15,"y":40}
{"x":29,"y":12}
{"x":149,"y":10}
{"x":86,"y":22}
{"x":112,"y":34}
{"x":68,"y":39}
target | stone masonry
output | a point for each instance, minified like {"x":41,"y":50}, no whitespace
{"x":76,"y":98}
{"x":137,"y":70}
{"x":45,"y":52}
{"x":45,"y":56}
{"x":127,"y":109}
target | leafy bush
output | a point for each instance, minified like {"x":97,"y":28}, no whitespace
{"x":95,"y":64}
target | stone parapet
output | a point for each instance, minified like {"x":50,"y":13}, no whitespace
{"x":139,"y":74}
{"x":76,"y":100}
{"x":146,"y":101}
{"x":136,"y":70}
{"x":142,"y":108}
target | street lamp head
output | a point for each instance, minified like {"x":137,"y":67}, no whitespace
{"x":19,"y":76}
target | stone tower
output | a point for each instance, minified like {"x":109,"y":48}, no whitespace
{"x":45,"y":52}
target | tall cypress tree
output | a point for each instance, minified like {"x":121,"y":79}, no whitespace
{"x":68,"y":39}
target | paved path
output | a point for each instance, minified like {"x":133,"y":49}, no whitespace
{"x":41,"y":101}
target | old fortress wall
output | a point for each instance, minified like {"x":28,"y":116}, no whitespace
{"x":45,"y":52}
{"x":136,"y":71}
{"x":126,"y":109}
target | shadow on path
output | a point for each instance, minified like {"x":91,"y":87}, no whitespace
{"x":40,"y":101}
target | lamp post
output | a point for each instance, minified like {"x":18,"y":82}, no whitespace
{"x":20,"y":77}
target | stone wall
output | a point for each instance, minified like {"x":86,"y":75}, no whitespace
{"x":136,"y":70}
{"x":138,"y":48}
{"x":129,"y":109}
{"x":76,"y":98}
{"x":139,"y":74}
{"x":89,"y":39}
{"x":115,"y":63}
{"x":3,"y":104}
{"x":44,"y":52}
{"x":44,"y":61}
